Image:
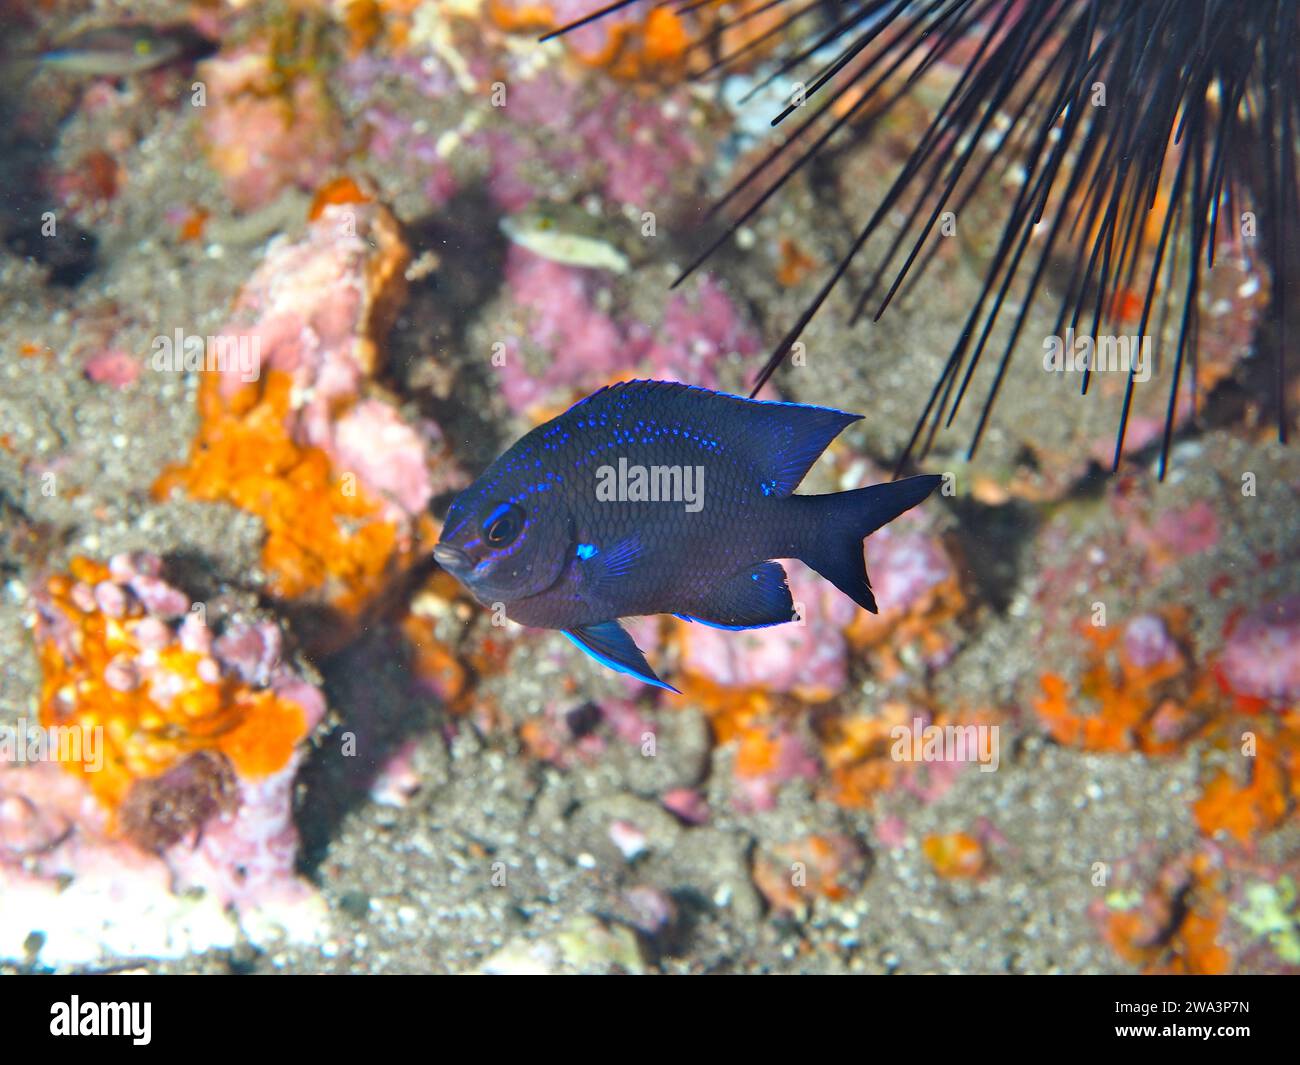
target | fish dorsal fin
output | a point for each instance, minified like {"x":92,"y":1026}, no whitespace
{"x":780,"y":440}
{"x":753,"y":598}
{"x":796,"y":439}
{"x":610,"y":645}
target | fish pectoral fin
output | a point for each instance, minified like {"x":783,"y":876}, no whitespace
{"x":755,"y":597}
{"x":606,"y":569}
{"x":610,"y":645}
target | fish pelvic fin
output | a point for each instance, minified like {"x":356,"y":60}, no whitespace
{"x":610,"y":645}
{"x":753,"y":598}
{"x":841,"y":521}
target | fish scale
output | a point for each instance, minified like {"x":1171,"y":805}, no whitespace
{"x":562,"y":532}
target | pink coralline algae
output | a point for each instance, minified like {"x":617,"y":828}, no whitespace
{"x":316,"y":308}
{"x":1188,"y":531}
{"x":398,"y":780}
{"x":392,"y":143}
{"x":701,"y":326}
{"x":687,"y":805}
{"x":571,"y":347}
{"x":891,"y":831}
{"x":541,"y":134}
{"x":75,"y":893}
{"x":141,"y":574}
{"x":906,"y":565}
{"x":931,"y":781}
{"x":115,"y":367}
{"x":262,"y":134}
{"x":1262,"y":656}
{"x":401,"y":144}
{"x":1136,"y":537}
{"x":179,"y":832}
{"x":767,"y":762}
{"x":628,"y":722}
{"x":309,"y":307}
{"x":557,"y":302}
{"x":567,"y":735}
{"x":807,"y":657}
{"x":245,"y":857}
{"x":387,"y":454}
{"x":791,"y":875}
{"x":251,"y":651}
{"x":636,"y":151}
{"x":1148,"y":643}
{"x":640,"y":170}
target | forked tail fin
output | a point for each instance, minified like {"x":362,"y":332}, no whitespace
{"x":841,"y":521}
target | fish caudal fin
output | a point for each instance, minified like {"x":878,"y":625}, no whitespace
{"x":610,"y":645}
{"x":843,"y":520}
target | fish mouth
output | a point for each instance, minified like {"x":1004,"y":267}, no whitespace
{"x":452,"y":559}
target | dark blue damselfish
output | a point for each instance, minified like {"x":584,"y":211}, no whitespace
{"x":552,"y":533}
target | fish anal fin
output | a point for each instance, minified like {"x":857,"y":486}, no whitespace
{"x":610,"y":645}
{"x":752,"y":598}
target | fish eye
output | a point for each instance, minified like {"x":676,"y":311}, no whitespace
{"x":503,"y":525}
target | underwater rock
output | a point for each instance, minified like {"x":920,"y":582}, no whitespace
{"x":89,"y":898}
{"x":639,"y":41}
{"x":585,"y":945}
{"x":303,"y":438}
{"x":636,"y":151}
{"x":559,"y":343}
{"x":1262,"y":655}
{"x":180,"y":777}
{"x":264,"y":132}
{"x":687,"y":804}
{"x":321,"y":305}
{"x":161,"y":811}
{"x":114,"y":367}
{"x":792,"y":875}
{"x":557,"y":304}
{"x":767,"y":758}
{"x":1147,"y":642}
{"x":398,"y":780}
{"x":954,"y":855}
{"x":1168,"y":920}
{"x":131,"y":676}
{"x":870,"y":751}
